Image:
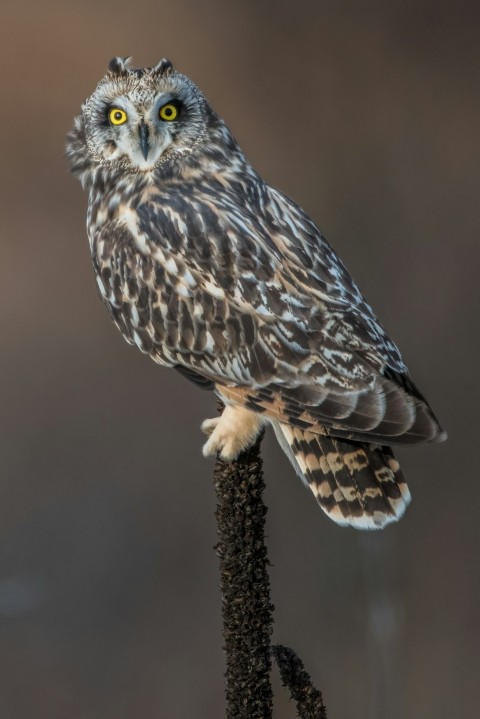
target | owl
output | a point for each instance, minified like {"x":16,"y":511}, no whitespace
{"x":210,"y":271}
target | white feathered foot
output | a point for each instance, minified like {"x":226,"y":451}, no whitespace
{"x":234,"y":431}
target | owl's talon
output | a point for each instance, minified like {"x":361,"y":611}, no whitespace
{"x":209,"y":425}
{"x":231,"y":433}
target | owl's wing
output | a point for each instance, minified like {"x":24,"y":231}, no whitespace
{"x":258,"y":303}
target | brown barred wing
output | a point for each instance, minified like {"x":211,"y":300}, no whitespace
{"x":356,"y":484}
{"x":184,"y":296}
{"x":382,"y":414}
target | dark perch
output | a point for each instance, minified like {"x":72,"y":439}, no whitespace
{"x":246,"y":606}
{"x":308,"y":699}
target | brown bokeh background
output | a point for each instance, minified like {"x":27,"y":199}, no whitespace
{"x":368,"y":114}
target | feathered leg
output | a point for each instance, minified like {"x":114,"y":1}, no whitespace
{"x":235,"y":430}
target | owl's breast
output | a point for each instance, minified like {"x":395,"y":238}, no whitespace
{"x":154,"y":299}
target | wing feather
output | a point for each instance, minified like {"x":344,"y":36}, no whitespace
{"x":256,"y":301}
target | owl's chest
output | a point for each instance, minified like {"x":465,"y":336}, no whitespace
{"x":147,"y":291}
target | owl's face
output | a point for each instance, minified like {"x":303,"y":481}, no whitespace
{"x":137,"y":119}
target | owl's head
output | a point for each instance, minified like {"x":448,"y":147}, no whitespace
{"x":138,"y":119}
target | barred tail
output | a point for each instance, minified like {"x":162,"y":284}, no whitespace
{"x":357,"y":484}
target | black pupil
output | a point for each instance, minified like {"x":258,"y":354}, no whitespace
{"x":118,"y":115}
{"x":168,"y":111}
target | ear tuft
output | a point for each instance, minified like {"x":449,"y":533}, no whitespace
{"x":164,"y":67}
{"x":119,"y":66}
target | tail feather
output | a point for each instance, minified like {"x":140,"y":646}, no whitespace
{"x":357,"y":484}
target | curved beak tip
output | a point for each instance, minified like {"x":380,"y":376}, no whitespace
{"x":144,"y":141}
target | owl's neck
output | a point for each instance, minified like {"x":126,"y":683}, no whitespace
{"x":216,"y":160}
{"x":109,"y":193}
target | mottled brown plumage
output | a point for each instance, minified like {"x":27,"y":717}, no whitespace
{"x":211,"y":271}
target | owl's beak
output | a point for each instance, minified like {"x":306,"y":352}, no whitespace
{"x":144,"y":143}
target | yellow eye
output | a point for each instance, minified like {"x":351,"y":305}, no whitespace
{"x":168,"y":112}
{"x":117,"y":116}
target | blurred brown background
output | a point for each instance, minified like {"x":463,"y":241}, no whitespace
{"x":368,"y":114}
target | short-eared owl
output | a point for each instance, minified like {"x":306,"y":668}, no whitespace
{"x":211,"y":271}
